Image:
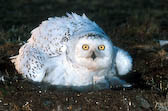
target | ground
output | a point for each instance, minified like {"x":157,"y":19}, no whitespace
{"x":135,"y":25}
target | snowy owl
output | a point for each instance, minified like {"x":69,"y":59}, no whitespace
{"x":72,"y":51}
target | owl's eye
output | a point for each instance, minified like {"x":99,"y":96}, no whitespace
{"x":101,"y":47}
{"x":85,"y":47}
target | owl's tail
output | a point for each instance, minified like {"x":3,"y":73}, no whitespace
{"x":13,"y":58}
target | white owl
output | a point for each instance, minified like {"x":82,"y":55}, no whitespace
{"x":72,"y":51}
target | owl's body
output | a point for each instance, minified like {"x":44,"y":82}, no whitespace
{"x":71,"y":51}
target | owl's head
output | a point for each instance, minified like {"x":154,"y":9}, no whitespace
{"x":92,"y":52}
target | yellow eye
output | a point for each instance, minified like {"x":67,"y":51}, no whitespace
{"x":85,"y":47}
{"x":101,"y":47}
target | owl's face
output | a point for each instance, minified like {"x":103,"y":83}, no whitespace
{"x":94,"y":53}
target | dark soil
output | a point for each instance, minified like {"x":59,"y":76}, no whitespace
{"x":134,"y":25}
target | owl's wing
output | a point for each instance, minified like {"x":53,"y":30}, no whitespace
{"x":31,"y":63}
{"x":50,"y":37}
{"x":123,"y":61}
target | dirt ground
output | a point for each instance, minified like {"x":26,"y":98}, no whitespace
{"x":135,"y":25}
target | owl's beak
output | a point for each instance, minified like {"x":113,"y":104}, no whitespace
{"x":93,"y":56}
